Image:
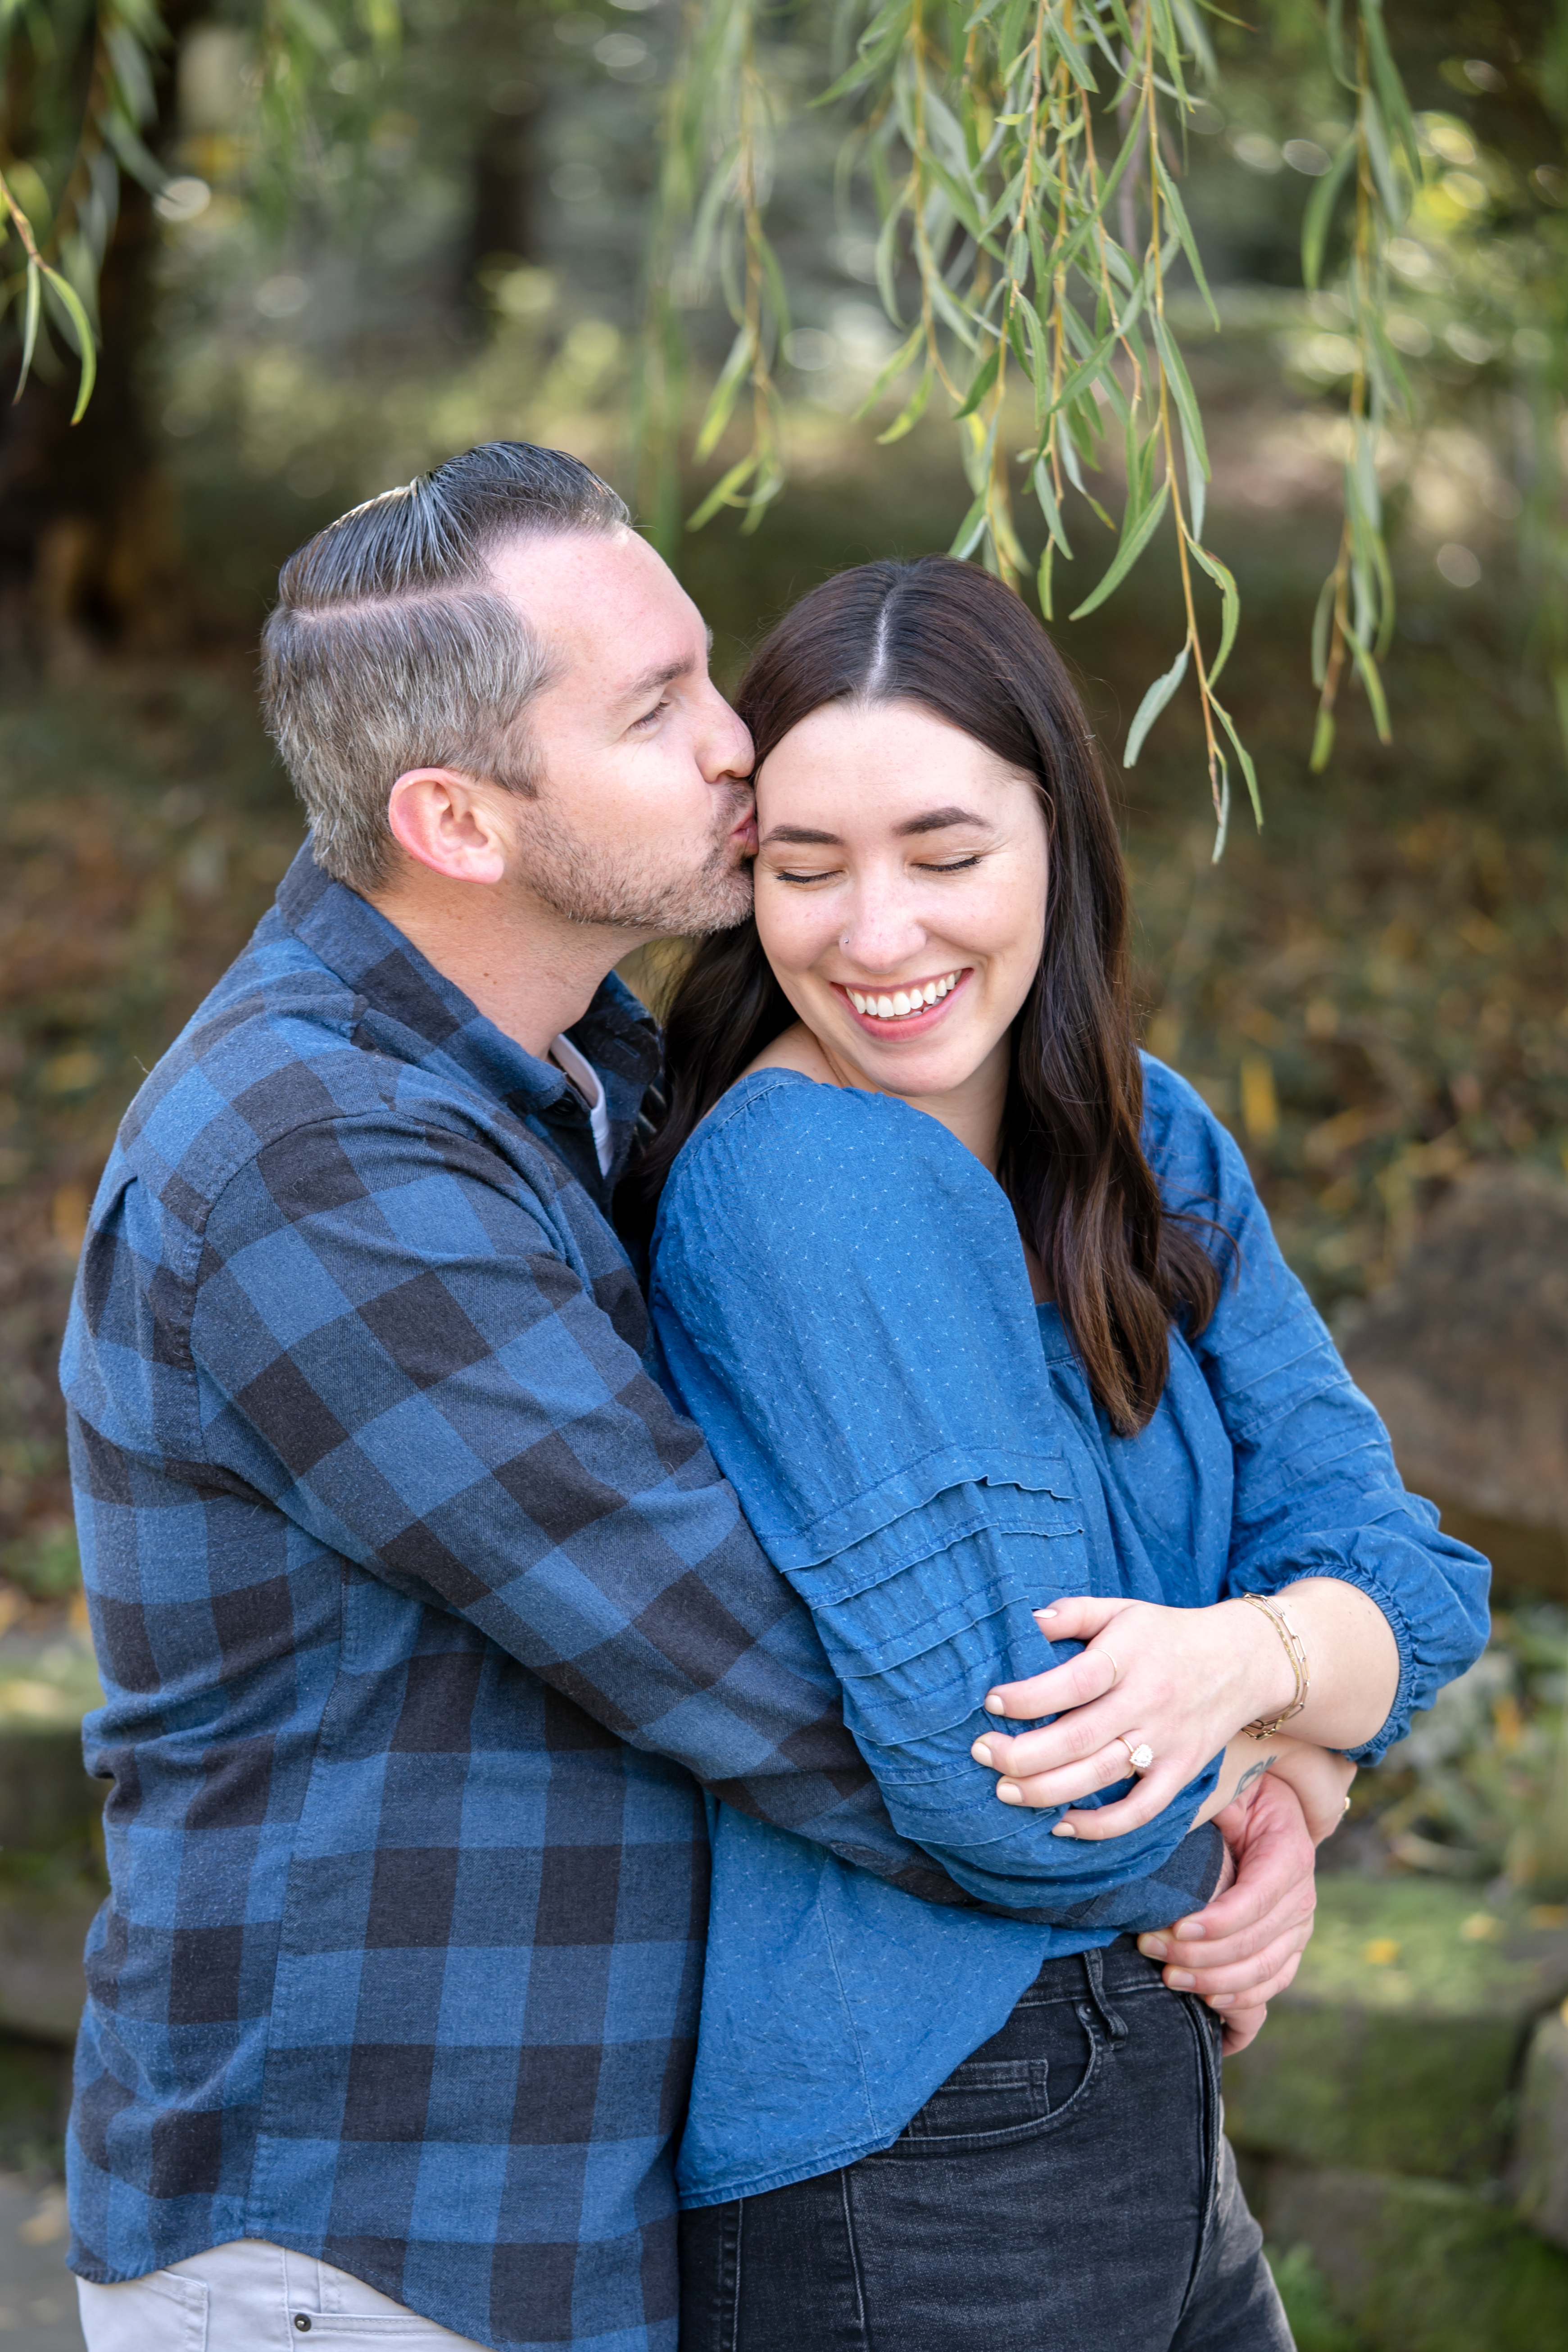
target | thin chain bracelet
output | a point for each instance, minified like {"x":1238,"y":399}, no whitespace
{"x":1297,"y":1658}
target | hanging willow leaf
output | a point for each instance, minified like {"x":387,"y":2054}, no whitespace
{"x":1153,"y":702}
{"x":1133,"y":542}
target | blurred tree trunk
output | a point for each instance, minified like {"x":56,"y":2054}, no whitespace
{"x":89,"y":541}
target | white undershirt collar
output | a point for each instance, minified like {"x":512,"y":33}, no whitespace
{"x":585,"y":1078}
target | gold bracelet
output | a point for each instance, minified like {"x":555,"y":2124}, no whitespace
{"x":1297,"y":1658}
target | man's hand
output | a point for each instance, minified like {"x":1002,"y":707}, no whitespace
{"x":1246,"y":1944}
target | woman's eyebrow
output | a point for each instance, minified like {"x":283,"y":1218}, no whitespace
{"x":933,"y":821}
{"x":936,"y":820}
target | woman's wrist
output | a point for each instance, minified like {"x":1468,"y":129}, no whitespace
{"x":1270,"y":1681}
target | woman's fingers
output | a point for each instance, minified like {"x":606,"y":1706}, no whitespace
{"x":1067,"y":1785}
{"x":1077,"y":1682}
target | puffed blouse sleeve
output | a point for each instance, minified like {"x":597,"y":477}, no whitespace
{"x":1316,"y":1490}
{"x":839,"y":1293}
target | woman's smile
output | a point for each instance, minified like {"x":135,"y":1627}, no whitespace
{"x":911,"y":1009}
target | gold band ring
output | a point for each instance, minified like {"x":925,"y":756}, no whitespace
{"x":1115,"y":1669}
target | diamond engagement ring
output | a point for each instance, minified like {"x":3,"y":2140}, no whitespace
{"x":1141,"y":1757}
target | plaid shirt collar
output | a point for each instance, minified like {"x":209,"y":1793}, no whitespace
{"x":413,"y":1012}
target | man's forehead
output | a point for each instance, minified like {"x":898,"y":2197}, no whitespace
{"x":569,"y":583}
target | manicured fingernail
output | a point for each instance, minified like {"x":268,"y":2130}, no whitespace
{"x":1179,"y":1981}
{"x":1039,"y":1613}
{"x":1152,"y":1946}
{"x":1222,"y":2001}
{"x":1191,"y":1931}
{"x":1064,"y":1829}
{"x":994,"y":1703}
{"x":981,"y":1752}
{"x":1009,"y":1792}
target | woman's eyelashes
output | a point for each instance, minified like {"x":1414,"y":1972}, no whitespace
{"x":831,"y":873}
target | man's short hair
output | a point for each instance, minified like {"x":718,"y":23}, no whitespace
{"x":389,"y":648}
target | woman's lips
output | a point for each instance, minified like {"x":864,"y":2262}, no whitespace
{"x":888,"y":1029}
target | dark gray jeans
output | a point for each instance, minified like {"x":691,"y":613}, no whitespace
{"x":1069,"y":2189}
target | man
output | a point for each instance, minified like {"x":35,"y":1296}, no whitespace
{"x":423,"y":1618}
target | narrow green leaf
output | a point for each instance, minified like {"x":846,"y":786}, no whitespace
{"x":1127,"y":555}
{"x":29,"y":329}
{"x":1317,"y":218}
{"x":1390,"y":87}
{"x":1183,"y":227}
{"x":1153,"y":702}
{"x":971,"y":530}
{"x":1375,"y":143}
{"x":1322,"y":742}
{"x":982,"y":383}
{"x":1367,"y":670}
{"x":1046,"y":494}
{"x":893,"y":367}
{"x":1322,"y":630}
{"x":72,"y":303}
{"x":1197,"y":489}
{"x":1181,"y":385}
{"x":722,"y":494}
{"x":1244,"y":755}
{"x":725,"y":394}
{"x":1230,"y":604}
{"x":910,"y":416}
{"x":1043,"y":590}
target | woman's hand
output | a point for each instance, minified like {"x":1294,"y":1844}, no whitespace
{"x":1182,"y":1681}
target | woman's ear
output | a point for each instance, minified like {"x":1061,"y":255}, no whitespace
{"x":451,"y":823}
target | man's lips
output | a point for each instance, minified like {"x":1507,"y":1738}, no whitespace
{"x":745,"y":835}
{"x":886,"y":1028}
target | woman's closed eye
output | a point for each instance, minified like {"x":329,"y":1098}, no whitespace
{"x":828,"y":873}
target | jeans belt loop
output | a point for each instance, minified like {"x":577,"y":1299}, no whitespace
{"x":1094,"y":1971}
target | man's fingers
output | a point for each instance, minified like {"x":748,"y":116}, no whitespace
{"x":1258,"y":1978}
{"x":1242,"y":2026}
{"x":1291,"y":1919}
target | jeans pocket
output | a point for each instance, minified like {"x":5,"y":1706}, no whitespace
{"x":983,"y":2097}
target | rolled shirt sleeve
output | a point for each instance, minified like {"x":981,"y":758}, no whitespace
{"x":1316,"y":1490}
{"x":840,"y":1294}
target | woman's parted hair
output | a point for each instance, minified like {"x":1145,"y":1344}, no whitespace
{"x":947,"y":636}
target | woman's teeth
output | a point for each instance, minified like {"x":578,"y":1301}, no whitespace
{"x":903,"y":1001}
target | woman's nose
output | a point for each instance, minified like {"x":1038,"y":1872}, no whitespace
{"x":882,"y":932}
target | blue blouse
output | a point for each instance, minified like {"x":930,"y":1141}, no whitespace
{"x":840,"y":1296}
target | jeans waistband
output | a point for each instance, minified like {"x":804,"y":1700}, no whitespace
{"x":1122,"y":1969}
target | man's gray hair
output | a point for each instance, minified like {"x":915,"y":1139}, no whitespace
{"x":390,"y":647}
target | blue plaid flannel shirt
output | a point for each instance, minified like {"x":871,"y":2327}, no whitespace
{"x":421,"y":1615}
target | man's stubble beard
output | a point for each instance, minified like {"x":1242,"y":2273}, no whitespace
{"x":586,"y":884}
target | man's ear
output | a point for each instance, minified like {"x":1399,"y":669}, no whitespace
{"x":451,"y":823}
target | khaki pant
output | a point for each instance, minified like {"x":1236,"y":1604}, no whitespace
{"x":249,"y":2296}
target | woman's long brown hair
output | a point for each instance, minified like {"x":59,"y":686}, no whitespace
{"x":947,"y":636}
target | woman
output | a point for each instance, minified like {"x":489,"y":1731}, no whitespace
{"x":983,"y":1318}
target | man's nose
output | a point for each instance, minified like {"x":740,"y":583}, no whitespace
{"x":725,"y":746}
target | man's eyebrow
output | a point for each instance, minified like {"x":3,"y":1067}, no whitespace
{"x":663,"y":675}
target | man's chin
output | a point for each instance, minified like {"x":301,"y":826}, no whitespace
{"x":723,"y":911}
